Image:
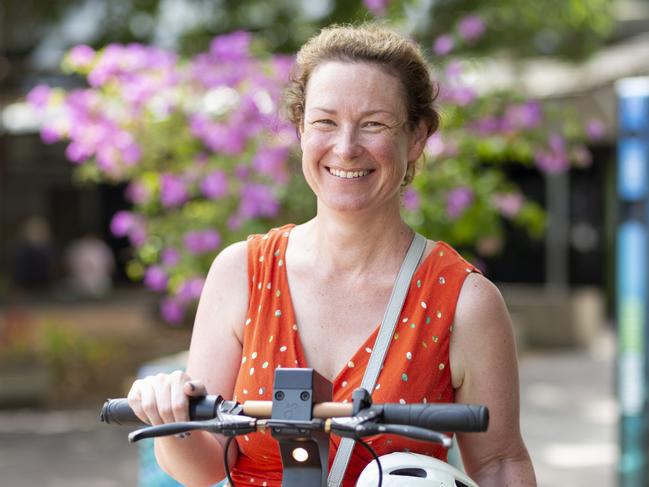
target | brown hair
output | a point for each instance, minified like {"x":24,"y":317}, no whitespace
{"x":372,"y":44}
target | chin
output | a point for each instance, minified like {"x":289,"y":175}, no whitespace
{"x":348,"y":205}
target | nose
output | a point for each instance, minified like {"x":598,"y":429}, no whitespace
{"x":347,"y":145}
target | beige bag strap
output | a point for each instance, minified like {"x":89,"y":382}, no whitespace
{"x":380,"y":350}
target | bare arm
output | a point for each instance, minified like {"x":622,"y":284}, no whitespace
{"x":485,"y":371}
{"x":214,"y":358}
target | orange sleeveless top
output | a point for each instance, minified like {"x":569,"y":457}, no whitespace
{"x":416,"y":367}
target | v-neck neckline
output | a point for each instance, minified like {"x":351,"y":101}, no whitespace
{"x":299,"y":348}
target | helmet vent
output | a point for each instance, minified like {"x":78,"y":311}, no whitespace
{"x":460,"y":484}
{"x":410,"y":472}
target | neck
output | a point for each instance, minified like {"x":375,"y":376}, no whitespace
{"x":356,"y":243}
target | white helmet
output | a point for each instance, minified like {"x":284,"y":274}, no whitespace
{"x":413,"y":470}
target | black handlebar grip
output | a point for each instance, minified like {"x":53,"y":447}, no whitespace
{"x":438,"y":417}
{"x":117,"y":411}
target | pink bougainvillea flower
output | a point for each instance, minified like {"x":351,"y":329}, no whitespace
{"x":377,"y":7}
{"x":411,"y":200}
{"x":282,"y":65}
{"x":462,"y":96}
{"x":509,"y":204}
{"x":595,"y":129}
{"x":526,"y":115}
{"x":170,"y":257}
{"x":50,"y":134}
{"x":39,"y":96}
{"x":234,"y":222}
{"x":77,"y":153}
{"x":554,"y":159}
{"x":257,"y":200}
{"x":443,"y":45}
{"x":172,"y":311}
{"x":271,"y":161}
{"x":190,"y":290}
{"x":458,"y":200}
{"x":155,"y":278}
{"x":137,"y":235}
{"x":215,"y":185}
{"x":454,"y":69}
{"x":173,"y":192}
{"x":488,"y":125}
{"x":231,"y":47}
{"x":198,"y":242}
{"x":242,"y":171}
{"x":81,"y":56}
{"x":137,"y":193}
{"x":121,"y":223}
{"x":471,"y":27}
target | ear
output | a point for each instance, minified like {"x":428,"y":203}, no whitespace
{"x":418,"y":138}
{"x":299,"y":131}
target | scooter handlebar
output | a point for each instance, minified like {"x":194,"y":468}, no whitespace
{"x":442,"y":417}
{"x":117,"y":411}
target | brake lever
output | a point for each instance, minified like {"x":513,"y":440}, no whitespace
{"x":414,"y":432}
{"x":226,"y":424}
{"x":171,"y":429}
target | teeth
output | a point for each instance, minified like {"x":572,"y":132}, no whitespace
{"x":348,"y":174}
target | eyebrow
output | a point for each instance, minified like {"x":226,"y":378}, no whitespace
{"x":364,"y":113}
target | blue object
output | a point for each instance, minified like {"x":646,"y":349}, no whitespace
{"x":633,"y":168}
{"x":633,"y":112}
{"x":632,"y":283}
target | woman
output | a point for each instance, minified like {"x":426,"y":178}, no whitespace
{"x":313,"y":295}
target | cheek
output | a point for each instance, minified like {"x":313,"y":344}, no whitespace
{"x":392,"y":153}
{"x":312,"y":146}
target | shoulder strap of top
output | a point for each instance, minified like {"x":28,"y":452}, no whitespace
{"x":397,"y":298}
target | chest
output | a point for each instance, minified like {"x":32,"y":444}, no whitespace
{"x":335,"y":317}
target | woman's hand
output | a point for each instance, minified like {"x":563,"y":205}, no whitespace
{"x":164,"y":398}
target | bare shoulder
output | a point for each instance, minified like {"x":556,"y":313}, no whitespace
{"x":225,"y":294}
{"x":233,"y":258}
{"x":482,"y":326}
{"x":477,"y":290}
{"x":215,"y":348}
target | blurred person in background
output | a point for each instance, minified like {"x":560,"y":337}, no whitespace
{"x":311,"y":295}
{"x":32,"y":258}
{"x":90,"y":264}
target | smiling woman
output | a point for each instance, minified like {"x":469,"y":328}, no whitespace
{"x":354,"y":130}
{"x":313,"y":295}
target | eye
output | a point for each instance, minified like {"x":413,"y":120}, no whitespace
{"x":374,"y":126}
{"x":324,"y":122}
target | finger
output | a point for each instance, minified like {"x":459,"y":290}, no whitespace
{"x":163,"y":396}
{"x":179,"y":402}
{"x":195,"y":388}
{"x":150,"y":400}
{"x":135,"y":401}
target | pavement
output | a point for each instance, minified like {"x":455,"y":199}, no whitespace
{"x":568,"y":418}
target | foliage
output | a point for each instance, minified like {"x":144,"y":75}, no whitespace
{"x":209,"y":160}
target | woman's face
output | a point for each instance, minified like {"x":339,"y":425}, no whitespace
{"x":355,"y":138}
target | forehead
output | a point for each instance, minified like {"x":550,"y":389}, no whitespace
{"x":354,"y":84}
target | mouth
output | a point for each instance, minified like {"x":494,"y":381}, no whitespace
{"x":349,"y":174}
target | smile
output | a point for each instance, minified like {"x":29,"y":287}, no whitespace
{"x":348,"y":174}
